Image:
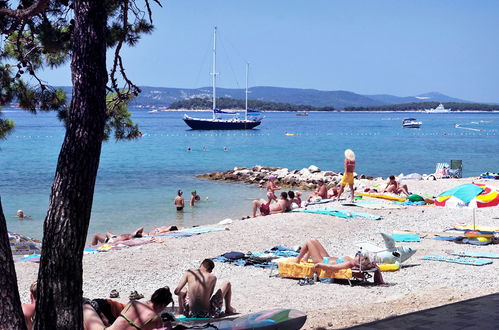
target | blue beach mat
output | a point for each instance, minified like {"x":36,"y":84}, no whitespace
{"x":476,"y":254}
{"x":200,"y":230}
{"x":342,"y":213}
{"x":257,"y":259}
{"x":448,"y":238}
{"x":459,"y":260}
{"x":403,"y":237}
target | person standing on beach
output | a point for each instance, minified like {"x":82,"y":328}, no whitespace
{"x":179,"y":200}
{"x":198,"y":300}
{"x":271,"y":187}
{"x":194,"y":198}
{"x":348,"y":174}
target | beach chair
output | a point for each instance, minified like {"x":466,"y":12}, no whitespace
{"x":456,"y":169}
{"x":441,"y":171}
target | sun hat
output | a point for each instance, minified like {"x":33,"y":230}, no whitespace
{"x":349,"y":154}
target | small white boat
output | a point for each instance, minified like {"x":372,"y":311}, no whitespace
{"x":439,"y":109}
{"x":153,"y":111}
{"x":411,"y":123}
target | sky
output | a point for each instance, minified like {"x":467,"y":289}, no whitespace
{"x":396,"y":47}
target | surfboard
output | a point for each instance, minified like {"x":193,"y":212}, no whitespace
{"x":265,"y":320}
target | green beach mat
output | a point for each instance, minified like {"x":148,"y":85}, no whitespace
{"x":341,"y":213}
{"x":403,"y":237}
{"x":475,"y":254}
{"x":459,"y":260}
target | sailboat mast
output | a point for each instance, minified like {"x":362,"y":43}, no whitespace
{"x":246,"y":101}
{"x":214,"y":73}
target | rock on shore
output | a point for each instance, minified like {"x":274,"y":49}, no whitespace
{"x":306,"y":178}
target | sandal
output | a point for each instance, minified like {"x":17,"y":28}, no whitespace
{"x":134,"y":295}
{"x":114,"y":294}
{"x":306,"y":281}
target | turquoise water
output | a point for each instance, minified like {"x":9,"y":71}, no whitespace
{"x":138,"y":180}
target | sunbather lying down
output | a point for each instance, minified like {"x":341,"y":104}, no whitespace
{"x":313,"y":249}
{"x":113,"y":238}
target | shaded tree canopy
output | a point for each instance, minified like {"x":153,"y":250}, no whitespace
{"x":419,"y":106}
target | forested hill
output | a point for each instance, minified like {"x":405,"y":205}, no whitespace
{"x":229,"y":103}
{"x":420,"y":106}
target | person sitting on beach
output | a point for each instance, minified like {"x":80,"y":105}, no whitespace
{"x":271,"y":188}
{"x":194,"y":198}
{"x":320,"y":191}
{"x":294,"y":199}
{"x":348,"y":176}
{"x":333,"y":192}
{"x":393,"y":186}
{"x":113,"y":238}
{"x":198,"y":300}
{"x":135,"y":315}
{"x":266,"y":208}
{"x":179,"y":200}
{"x":29,"y":309}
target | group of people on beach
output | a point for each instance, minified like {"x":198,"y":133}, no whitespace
{"x":197,"y":298}
{"x":286,"y":202}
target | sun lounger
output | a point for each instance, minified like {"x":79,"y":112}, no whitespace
{"x":289,"y":269}
{"x":459,"y":260}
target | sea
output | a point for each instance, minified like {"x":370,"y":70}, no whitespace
{"x":138,"y":180}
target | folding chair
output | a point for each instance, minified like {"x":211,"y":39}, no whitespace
{"x":456,"y":169}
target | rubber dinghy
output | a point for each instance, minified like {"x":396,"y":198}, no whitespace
{"x":283,"y":319}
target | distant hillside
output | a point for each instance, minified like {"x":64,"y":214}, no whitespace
{"x":165,"y":96}
{"x":419,"y":106}
{"x":229,"y":103}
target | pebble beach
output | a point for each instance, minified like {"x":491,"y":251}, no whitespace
{"x":420,"y":284}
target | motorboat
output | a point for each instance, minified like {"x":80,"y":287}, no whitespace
{"x":411,"y":123}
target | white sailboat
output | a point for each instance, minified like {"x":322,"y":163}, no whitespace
{"x":215,"y":123}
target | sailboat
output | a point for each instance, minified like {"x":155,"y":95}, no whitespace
{"x":251,"y":117}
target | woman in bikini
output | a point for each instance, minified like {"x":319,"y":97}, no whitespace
{"x":313,"y":249}
{"x":135,"y":315}
{"x":271,"y":187}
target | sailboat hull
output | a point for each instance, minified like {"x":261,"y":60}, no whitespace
{"x":214,"y":124}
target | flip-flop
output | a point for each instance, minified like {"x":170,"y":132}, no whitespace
{"x":114,"y":294}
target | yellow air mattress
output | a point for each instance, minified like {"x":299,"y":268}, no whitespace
{"x":388,"y":197}
{"x":476,"y":228}
{"x":388,"y":267}
{"x":288,"y":268}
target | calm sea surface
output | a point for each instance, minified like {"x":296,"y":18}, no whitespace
{"x":138,"y":180}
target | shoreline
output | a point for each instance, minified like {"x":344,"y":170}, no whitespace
{"x":425,"y":284}
{"x":161,"y":109}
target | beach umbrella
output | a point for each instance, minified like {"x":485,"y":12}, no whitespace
{"x":471,"y":195}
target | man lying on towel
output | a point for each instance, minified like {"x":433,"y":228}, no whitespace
{"x":313,"y":249}
{"x":198,"y":300}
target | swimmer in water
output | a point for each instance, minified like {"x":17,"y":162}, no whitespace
{"x":189,"y":149}
{"x":226,"y":149}
{"x":21,"y":215}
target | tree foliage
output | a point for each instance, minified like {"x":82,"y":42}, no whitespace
{"x":229,"y":103}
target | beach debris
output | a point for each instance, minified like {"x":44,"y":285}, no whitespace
{"x":114,"y":294}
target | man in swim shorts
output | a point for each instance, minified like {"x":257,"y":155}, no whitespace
{"x":179,"y":200}
{"x":347,"y":179}
{"x":266,"y":208}
{"x":198,"y":300}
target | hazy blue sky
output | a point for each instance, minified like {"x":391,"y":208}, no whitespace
{"x":369,"y":47}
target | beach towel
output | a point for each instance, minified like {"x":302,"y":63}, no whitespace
{"x":448,"y":238}
{"x":475,"y":254}
{"x":382,"y":196}
{"x":259,"y":259}
{"x":341,"y":213}
{"x":322,"y":201}
{"x":372,"y":205}
{"x":201,"y":230}
{"x":403,"y":237}
{"x":462,"y":227}
{"x":459,"y":260}
{"x":28,"y":258}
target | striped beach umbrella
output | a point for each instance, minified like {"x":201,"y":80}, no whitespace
{"x":471,"y":195}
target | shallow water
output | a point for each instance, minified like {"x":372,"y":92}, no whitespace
{"x":138,"y":180}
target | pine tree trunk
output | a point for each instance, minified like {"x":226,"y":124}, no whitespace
{"x":59,"y":302}
{"x":11,"y":315}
